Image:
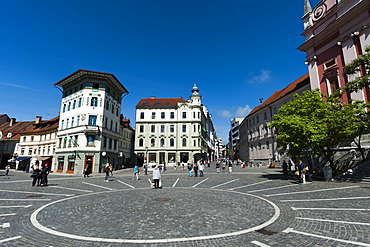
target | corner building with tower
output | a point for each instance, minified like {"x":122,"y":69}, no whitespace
{"x":90,"y":123}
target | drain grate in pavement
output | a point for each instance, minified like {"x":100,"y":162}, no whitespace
{"x":266,"y":232}
{"x":161,"y":199}
{"x":35,"y":196}
{"x":99,"y":196}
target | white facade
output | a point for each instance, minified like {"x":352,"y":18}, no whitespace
{"x":257,"y":141}
{"x":174,"y":130}
{"x":89,"y":127}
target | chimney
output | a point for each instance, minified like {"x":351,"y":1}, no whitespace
{"x":152,"y":97}
{"x":38,"y":119}
{"x":12,"y":122}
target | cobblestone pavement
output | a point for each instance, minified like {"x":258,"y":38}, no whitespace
{"x":254,"y":206}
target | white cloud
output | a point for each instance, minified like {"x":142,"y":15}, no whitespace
{"x":224,"y":113}
{"x":260,"y":78}
{"x":20,"y":86}
{"x":243,"y":111}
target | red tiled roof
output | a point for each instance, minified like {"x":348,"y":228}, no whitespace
{"x":150,"y":102}
{"x":281,"y":93}
{"x":27,"y":127}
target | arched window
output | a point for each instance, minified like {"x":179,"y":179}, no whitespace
{"x":141,"y":142}
{"x":184,"y":142}
{"x":152,"y":142}
{"x":162,"y":142}
{"x":172,"y":142}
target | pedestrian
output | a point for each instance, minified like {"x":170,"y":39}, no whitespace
{"x":302,"y":172}
{"x":218,"y":167}
{"x":36,"y":175}
{"x":156,"y":177}
{"x":111,"y":170}
{"x":44,"y":174}
{"x":183,"y":165}
{"x":308,"y":172}
{"x":87,"y":170}
{"x":136,"y":173}
{"x":164,"y":166}
{"x":223,"y":166}
{"x":146,"y":169}
{"x":285,"y":167}
{"x":195,"y":168}
{"x":190,"y":168}
{"x":107,"y":172}
{"x":201,"y":169}
{"x":7,"y":169}
{"x":290,"y":165}
{"x":230,"y":166}
{"x":174,"y":166}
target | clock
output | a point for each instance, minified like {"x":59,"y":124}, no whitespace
{"x":319,"y":12}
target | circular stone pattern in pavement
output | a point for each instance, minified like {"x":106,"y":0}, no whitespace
{"x":141,"y":216}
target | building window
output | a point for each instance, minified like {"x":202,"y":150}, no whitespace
{"x":78,"y":121}
{"x":64,"y":108}
{"x":163,"y":115}
{"x":257,"y":119}
{"x":172,"y":115}
{"x":32,"y":138}
{"x":72,"y":122}
{"x":141,"y":115}
{"x":92,"y":119}
{"x":141,"y":142}
{"x":90,"y":140}
{"x":162,"y":142}
{"x":162,"y":128}
{"x":24,"y":138}
{"x":94,"y":101}
{"x":152,"y":128}
{"x":172,"y":128}
{"x":152,"y":142}
{"x":74,"y":104}
{"x":79,"y":102}
{"x":153,"y":115}
{"x":265,"y":115}
{"x":184,"y":115}
{"x":30,"y":151}
{"x":267,"y":145}
{"x":22,"y":151}
{"x":172,"y":142}
{"x":183,"y":128}
{"x":141,"y":128}
{"x":69,"y":106}
{"x":184,"y":142}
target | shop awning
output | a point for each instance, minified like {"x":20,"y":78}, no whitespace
{"x":44,"y":158}
{"x":19,"y":159}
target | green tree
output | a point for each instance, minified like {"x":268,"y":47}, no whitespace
{"x":310,"y":124}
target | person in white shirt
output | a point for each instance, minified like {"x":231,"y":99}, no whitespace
{"x":156,"y":177}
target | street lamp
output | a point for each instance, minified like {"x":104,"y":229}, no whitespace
{"x":146,"y":161}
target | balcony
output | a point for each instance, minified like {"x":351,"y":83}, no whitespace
{"x":92,"y":129}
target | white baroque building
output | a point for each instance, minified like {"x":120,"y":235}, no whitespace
{"x":174,"y":130}
{"x":90,"y":122}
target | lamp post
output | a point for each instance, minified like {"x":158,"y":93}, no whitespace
{"x":146,"y":161}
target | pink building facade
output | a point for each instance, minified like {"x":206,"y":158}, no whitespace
{"x":336,"y":31}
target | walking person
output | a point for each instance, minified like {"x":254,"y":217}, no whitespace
{"x":285,"y":167}
{"x":7,"y":169}
{"x":308,"y":172}
{"x":156,"y":177}
{"x":87,"y":170}
{"x":136,"y":173}
{"x":230,"y":166}
{"x":111,"y":170}
{"x":36,"y":175}
{"x":218,"y":167}
{"x":107,"y":171}
{"x":195,"y":168}
{"x":190,"y":168}
{"x":44,"y":174}
{"x":201,"y":169}
{"x":302,"y":172}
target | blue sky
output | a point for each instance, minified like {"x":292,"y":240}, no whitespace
{"x":237,"y":51}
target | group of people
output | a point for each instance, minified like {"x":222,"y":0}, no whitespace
{"x":195,"y":168}
{"x":224,"y":163}
{"x":301,"y":170}
{"x":40,"y":176}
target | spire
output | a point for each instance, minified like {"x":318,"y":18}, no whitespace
{"x":195,"y":89}
{"x":307,"y":7}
